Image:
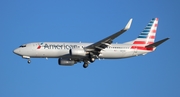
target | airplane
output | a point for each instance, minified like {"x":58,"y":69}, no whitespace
{"x":70,"y":53}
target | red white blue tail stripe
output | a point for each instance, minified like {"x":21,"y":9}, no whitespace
{"x":147,"y":36}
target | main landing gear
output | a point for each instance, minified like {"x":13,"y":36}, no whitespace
{"x":85,"y":65}
{"x":87,"y":62}
{"x":92,"y":60}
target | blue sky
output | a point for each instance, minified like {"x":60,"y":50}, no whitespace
{"x":24,"y":21}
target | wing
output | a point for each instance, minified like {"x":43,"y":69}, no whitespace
{"x":102,"y":44}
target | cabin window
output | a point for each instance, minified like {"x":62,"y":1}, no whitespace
{"x":22,"y":46}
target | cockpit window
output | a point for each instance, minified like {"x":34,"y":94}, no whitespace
{"x":22,"y":46}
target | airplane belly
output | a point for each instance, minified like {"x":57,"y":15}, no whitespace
{"x":112,"y":54}
{"x":115,"y":54}
{"x":51,"y":53}
{"x":57,"y":53}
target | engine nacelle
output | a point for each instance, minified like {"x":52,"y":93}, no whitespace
{"x":77,"y":52}
{"x":66,"y":62}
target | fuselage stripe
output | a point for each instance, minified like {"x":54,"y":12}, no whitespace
{"x":141,"y":48}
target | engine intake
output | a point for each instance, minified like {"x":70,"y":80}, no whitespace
{"x":77,"y":52}
{"x":66,"y":62}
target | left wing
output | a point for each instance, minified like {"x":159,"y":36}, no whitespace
{"x":102,"y":44}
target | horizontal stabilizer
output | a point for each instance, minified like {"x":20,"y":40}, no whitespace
{"x":156,"y":43}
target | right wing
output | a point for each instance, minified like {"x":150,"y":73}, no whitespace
{"x":102,"y":44}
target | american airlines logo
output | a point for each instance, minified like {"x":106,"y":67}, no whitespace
{"x":40,"y":45}
{"x":56,"y":46}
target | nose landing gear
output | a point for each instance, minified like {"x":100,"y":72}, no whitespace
{"x":27,"y":57}
{"x":29,"y":61}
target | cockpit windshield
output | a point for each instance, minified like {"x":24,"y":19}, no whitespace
{"x":23,"y":45}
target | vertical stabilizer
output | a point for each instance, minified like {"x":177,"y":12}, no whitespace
{"x":147,"y":36}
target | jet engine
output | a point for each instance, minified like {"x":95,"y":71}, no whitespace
{"x":66,"y":62}
{"x":77,"y":52}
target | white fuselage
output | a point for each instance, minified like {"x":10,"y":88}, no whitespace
{"x":61,"y":50}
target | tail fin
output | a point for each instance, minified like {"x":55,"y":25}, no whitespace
{"x":147,"y":36}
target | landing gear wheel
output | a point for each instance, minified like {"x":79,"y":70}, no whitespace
{"x":91,"y":57}
{"x":29,"y":61}
{"x":85,"y":65}
{"x":92,"y":60}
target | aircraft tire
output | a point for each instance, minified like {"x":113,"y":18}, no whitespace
{"x":85,"y":65}
{"x":29,"y":61}
{"x":92,"y":60}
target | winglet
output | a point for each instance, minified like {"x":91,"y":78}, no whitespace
{"x":157,"y":43}
{"x":128,"y":24}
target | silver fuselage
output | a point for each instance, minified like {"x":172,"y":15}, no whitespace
{"x":61,"y":50}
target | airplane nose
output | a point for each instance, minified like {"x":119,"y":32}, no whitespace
{"x":16,"y":51}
